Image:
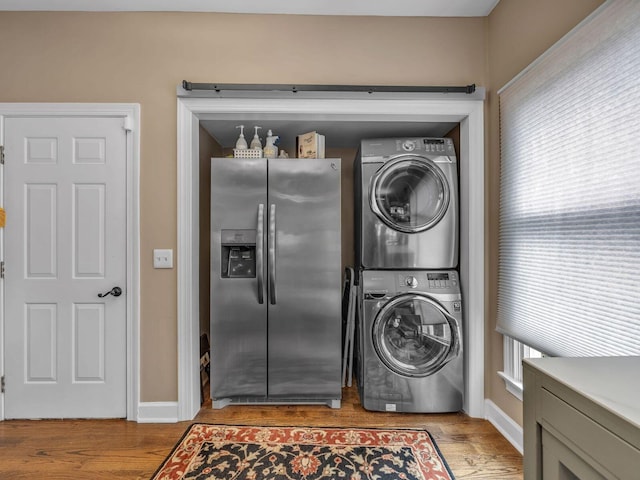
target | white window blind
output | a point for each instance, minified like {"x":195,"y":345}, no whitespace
{"x":569,"y":261}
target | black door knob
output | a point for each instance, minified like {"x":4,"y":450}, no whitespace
{"x":115,"y":291}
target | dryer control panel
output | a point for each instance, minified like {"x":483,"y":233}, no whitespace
{"x":442,"y":146}
{"x":390,"y":147}
{"x":429,"y":145}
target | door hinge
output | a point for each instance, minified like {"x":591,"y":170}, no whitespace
{"x":1,"y":269}
{"x":2,"y":385}
{"x":127,"y":124}
{"x":1,"y":154}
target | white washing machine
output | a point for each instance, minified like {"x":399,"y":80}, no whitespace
{"x":406,"y":203}
{"x":410,"y":341}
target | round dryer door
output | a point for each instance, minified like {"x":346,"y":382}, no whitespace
{"x":414,"y":335}
{"x":409,"y":194}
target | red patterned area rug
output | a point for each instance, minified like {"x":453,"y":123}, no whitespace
{"x":217,"y":452}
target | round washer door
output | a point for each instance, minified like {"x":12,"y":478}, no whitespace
{"x":414,"y":336}
{"x":409,"y":194}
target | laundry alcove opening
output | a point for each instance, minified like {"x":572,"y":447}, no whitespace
{"x":206,"y":128}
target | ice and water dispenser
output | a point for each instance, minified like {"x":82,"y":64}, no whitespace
{"x":238,"y":256}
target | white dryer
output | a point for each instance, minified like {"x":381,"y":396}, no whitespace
{"x":410,"y":341}
{"x":406,"y":204}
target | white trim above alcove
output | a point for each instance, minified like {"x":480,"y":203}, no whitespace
{"x":465,"y":109}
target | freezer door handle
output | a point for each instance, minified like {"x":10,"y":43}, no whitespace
{"x":260,"y":253}
{"x":272,"y":254}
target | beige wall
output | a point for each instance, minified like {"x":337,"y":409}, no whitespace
{"x":208,"y":148}
{"x":142,"y":57}
{"x":518,"y":32}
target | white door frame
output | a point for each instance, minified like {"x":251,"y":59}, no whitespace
{"x":130,"y":114}
{"x":421,"y":108}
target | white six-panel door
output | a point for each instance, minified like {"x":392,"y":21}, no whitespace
{"x":65,"y":243}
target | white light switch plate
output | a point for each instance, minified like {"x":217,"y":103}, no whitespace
{"x":162,"y":258}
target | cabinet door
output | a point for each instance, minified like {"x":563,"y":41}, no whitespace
{"x":560,"y":463}
{"x":304,"y":278}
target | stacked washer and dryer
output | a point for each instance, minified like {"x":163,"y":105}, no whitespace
{"x":409,"y":351}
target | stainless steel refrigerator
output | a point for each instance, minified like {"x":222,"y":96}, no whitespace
{"x":275,"y":281}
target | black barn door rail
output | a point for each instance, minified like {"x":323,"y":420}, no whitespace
{"x":217,"y":87}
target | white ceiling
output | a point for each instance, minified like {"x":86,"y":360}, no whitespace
{"x":408,"y":8}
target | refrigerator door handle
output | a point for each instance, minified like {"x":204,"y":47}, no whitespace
{"x":272,"y":254}
{"x":260,"y":253}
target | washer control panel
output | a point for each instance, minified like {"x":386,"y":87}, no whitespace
{"x":434,"y":280}
{"x":442,"y":280}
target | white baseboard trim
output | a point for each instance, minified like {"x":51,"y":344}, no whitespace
{"x":504,"y":424}
{"x":158,"y":412}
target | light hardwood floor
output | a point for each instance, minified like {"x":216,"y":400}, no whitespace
{"x":117,"y":449}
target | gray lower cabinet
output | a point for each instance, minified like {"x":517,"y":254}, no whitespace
{"x":582,"y":418}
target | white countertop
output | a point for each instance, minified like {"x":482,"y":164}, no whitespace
{"x":611,"y":382}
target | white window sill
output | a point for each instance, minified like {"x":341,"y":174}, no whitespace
{"x":513,"y":386}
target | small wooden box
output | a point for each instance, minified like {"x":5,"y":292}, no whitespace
{"x":310,"y":145}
